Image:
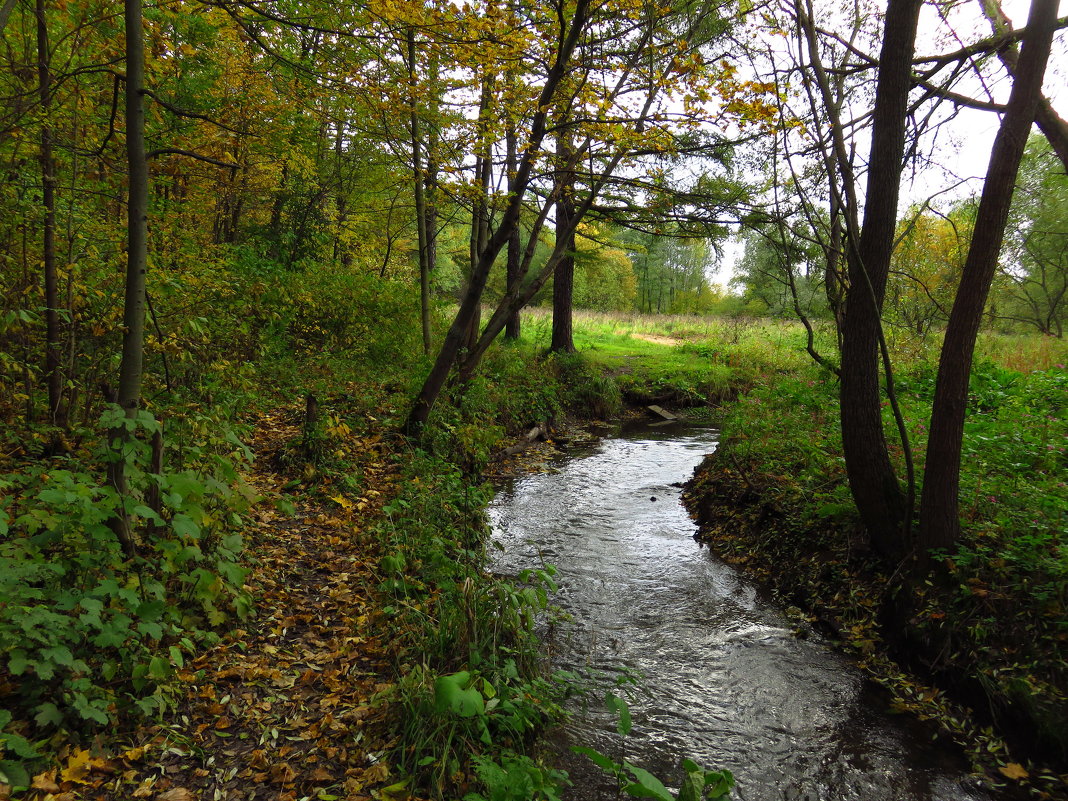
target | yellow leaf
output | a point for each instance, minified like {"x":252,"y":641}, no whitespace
{"x":342,"y":500}
{"x":77,"y":767}
{"x":1014,"y":770}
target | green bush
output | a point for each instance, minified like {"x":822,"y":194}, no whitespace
{"x":88,"y":634}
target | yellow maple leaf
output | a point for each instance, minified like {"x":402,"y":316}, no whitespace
{"x":77,"y":767}
{"x":1014,"y":770}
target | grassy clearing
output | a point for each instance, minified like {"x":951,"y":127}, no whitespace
{"x":679,"y":359}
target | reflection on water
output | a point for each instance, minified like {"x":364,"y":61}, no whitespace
{"x":723,"y":680}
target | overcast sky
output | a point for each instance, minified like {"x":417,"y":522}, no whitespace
{"x":964,"y":143}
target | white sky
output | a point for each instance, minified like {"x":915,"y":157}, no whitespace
{"x":965,"y":142}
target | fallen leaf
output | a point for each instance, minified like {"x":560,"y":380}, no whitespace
{"x":321,"y":775}
{"x":283,"y":773}
{"x":177,"y":794}
{"x":377,"y":772}
{"x":1014,"y":770}
{"x":77,"y":767}
{"x":45,"y":782}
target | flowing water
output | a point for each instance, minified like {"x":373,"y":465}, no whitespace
{"x":723,"y":680}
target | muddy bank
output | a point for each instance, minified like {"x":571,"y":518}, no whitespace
{"x":905,"y":636}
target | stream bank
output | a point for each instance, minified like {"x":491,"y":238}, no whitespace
{"x":897,"y":633}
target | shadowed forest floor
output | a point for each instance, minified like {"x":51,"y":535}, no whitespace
{"x":283,"y":707}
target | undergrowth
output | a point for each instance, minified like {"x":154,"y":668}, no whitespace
{"x":88,"y":634}
{"x":470,"y":694}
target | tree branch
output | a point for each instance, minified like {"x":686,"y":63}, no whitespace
{"x":174,"y":151}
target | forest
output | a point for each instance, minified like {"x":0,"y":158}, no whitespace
{"x":284,"y":282}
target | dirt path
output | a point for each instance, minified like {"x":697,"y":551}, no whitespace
{"x":657,"y":340}
{"x":283,"y":708}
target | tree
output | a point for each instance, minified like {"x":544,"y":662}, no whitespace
{"x":632,"y":60}
{"x":133,"y":340}
{"x":939,"y":521}
{"x":872,"y":480}
{"x":1035,"y":267}
{"x":564,"y":274}
{"x":926,"y":266}
{"x":53,"y":373}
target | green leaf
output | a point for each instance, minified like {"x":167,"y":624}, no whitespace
{"x":718,"y":784}
{"x":647,"y":785}
{"x":451,"y":695}
{"x":150,"y":629}
{"x":14,"y":774}
{"x":159,"y":668}
{"x":60,"y":654}
{"x":48,"y":714}
{"x":618,"y":705}
{"x":17,"y":662}
{"x":693,"y":786}
{"x":20,"y":746}
{"x":147,"y":513}
{"x":598,"y":759}
{"x":184,"y":526}
{"x":111,"y":636}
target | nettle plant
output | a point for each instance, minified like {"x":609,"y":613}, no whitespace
{"x":87,"y":633}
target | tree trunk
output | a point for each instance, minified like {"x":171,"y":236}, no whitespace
{"x":1052,"y":125}
{"x":564,"y":275}
{"x":131,"y":366}
{"x":874,"y":485}
{"x":130,"y":371}
{"x":53,"y":373}
{"x":513,"y":327}
{"x":430,"y":188}
{"x":420,"y":200}
{"x":939,"y":521}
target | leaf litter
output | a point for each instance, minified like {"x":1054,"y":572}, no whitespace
{"x":286,"y":707}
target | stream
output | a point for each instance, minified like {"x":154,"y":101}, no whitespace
{"x":719,"y":675}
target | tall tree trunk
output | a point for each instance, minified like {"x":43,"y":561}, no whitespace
{"x":874,"y":485}
{"x":513,"y":327}
{"x":480,"y":211}
{"x":131,"y":368}
{"x":418,"y":180}
{"x":939,"y":520}
{"x":430,"y":189}
{"x":53,"y":373}
{"x":133,"y":341}
{"x":564,"y":276}
{"x":5,"y":13}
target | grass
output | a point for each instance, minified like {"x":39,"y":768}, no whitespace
{"x":678,"y":359}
